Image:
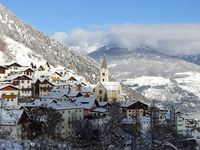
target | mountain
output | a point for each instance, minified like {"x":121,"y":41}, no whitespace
{"x":191,"y":58}
{"x":25,"y":44}
{"x":128,"y":63}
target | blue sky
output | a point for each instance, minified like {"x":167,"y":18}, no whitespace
{"x":52,"y":16}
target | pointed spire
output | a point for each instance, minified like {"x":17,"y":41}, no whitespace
{"x":104,"y":63}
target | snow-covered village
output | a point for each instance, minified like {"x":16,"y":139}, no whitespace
{"x":56,"y":103}
{"x":100,"y":75}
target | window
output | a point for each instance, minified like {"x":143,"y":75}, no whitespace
{"x":103,"y":74}
{"x":100,"y":91}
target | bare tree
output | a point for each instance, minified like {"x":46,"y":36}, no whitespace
{"x":43,"y":122}
{"x":86,"y":135}
{"x":113,"y":133}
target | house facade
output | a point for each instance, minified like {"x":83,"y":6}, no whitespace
{"x":45,"y":87}
{"x":24,"y":83}
{"x":70,"y":114}
{"x":3,"y":73}
{"x":13,"y":68}
{"x":9,"y":95}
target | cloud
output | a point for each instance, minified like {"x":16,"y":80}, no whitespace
{"x":172,"y":39}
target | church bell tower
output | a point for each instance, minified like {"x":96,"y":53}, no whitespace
{"x":104,"y":73}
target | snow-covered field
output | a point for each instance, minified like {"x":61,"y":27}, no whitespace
{"x":189,"y":81}
{"x":149,"y":80}
{"x":185,"y":85}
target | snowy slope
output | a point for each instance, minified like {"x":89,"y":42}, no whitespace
{"x":189,"y":81}
{"x":19,"y":53}
{"x":180,"y":87}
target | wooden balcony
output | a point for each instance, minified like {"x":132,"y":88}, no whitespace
{"x":12,"y":96}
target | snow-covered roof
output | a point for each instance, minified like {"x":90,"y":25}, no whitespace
{"x":10,"y":117}
{"x":35,"y":80}
{"x":160,"y":106}
{"x":73,"y":93}
{"x":127,"y":103}
{"x":100,"y":110}
{"x":2,"y":65}
{"x":41,"y":102}
{"x":52,"y":73}
{"x":10,"y":63}
{"x":6,"y":85}
{"x":111,"y":86}
{"x":86,"y":102}
{"x":102,"y":104}
{"x":55,"y":95}
{"x":87,"y":89}
{"x":64,"y":84}
{"x":65,"y":105}
{"x":24,"y":69}
{"x":12,"y":77}
{"x":69,"y":93}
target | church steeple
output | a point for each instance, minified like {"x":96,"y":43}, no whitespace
{"x":104,"y":63}
{"x":104,"y":73}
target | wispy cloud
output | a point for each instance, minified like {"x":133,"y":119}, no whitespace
{"x":171,"y":39}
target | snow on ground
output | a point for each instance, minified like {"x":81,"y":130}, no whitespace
{"x":159,"y":94}
{"x":22,"y":54}
{"x":149,"y":80}
{"x":171,"y":89}
{"x":190,"y":82}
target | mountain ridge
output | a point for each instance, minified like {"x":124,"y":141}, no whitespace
{"x":141,"y":61}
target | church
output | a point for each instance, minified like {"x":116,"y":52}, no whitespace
{"x":106,"y":90}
